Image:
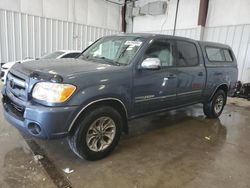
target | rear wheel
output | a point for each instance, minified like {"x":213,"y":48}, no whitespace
{"x":97,"y":133}
{"x":214,"y":108}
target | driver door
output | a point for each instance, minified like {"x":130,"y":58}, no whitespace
{"x":156,"y":89}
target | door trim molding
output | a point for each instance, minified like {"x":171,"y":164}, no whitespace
{"x":145,"y":98}
{"x":189,"y":92}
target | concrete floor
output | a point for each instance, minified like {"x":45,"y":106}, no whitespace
{"x":177,"y":149}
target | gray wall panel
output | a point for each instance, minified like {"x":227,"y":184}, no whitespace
{"x":23,"y":35}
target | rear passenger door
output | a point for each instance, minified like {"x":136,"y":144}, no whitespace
{"x":191,"y":73}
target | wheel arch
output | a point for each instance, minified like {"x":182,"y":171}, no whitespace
{"x":223,"y":87}
{"x":113,"y":102}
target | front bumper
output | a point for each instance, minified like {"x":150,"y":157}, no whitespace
{"x":37,"y":120}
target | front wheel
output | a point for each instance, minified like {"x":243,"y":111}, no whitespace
{"x":214,"y":108}
{"x":97,"y":133}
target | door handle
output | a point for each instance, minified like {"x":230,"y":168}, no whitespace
{"x":218,"y":73}
{"x":200,"y":74}
{"x":171,"y":76}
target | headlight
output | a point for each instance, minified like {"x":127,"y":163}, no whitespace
{"x":52,"y":92}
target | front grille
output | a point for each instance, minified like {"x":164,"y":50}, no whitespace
{"x":16,"y":85}
{"x":15,"y":109}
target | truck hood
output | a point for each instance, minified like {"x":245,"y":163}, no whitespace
{"x":63,"y":67}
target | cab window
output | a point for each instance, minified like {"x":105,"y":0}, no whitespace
{"x":163,"y":50}
{"x":187,"y":54}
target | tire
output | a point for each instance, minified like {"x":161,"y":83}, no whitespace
{"x":211,"y":108}
{"x":97,"y":133}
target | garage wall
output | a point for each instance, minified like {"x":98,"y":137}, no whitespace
{"x":228,"y":22}
{"x":33,"y":28}
{"x":186,"y":25}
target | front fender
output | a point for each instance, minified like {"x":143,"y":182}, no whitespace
{"x":99,"y":93}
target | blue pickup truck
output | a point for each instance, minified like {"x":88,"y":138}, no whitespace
{"x":90,"y":99}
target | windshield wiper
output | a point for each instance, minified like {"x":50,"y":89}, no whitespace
{"x":84,"y":56}
{"x":109,"y":60}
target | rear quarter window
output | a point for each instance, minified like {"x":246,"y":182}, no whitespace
{"x":228,"y":55}
{"x":215,"y":54}
{"x":187,"y":54}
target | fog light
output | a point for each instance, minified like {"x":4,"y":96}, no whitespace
{"x":34,"y":128}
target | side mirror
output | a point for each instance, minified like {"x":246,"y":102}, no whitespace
{"x":151,"y":64}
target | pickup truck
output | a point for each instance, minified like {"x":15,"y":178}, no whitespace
{"x":90,"y":99}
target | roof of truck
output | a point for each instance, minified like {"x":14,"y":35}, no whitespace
{"x":152,"y":35}
{"x":214,"y":44}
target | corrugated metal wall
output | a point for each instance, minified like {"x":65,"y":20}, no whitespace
{"x":23,"y":35}
{"x":238,"y":37}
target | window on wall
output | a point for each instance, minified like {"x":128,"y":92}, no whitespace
{"x":218,"y":54}
{"x":163,"y":50}
{"x":187,"y":55}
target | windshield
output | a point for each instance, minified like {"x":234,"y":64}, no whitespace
{"x":52,"y":55}
{"x":118,"y":50}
